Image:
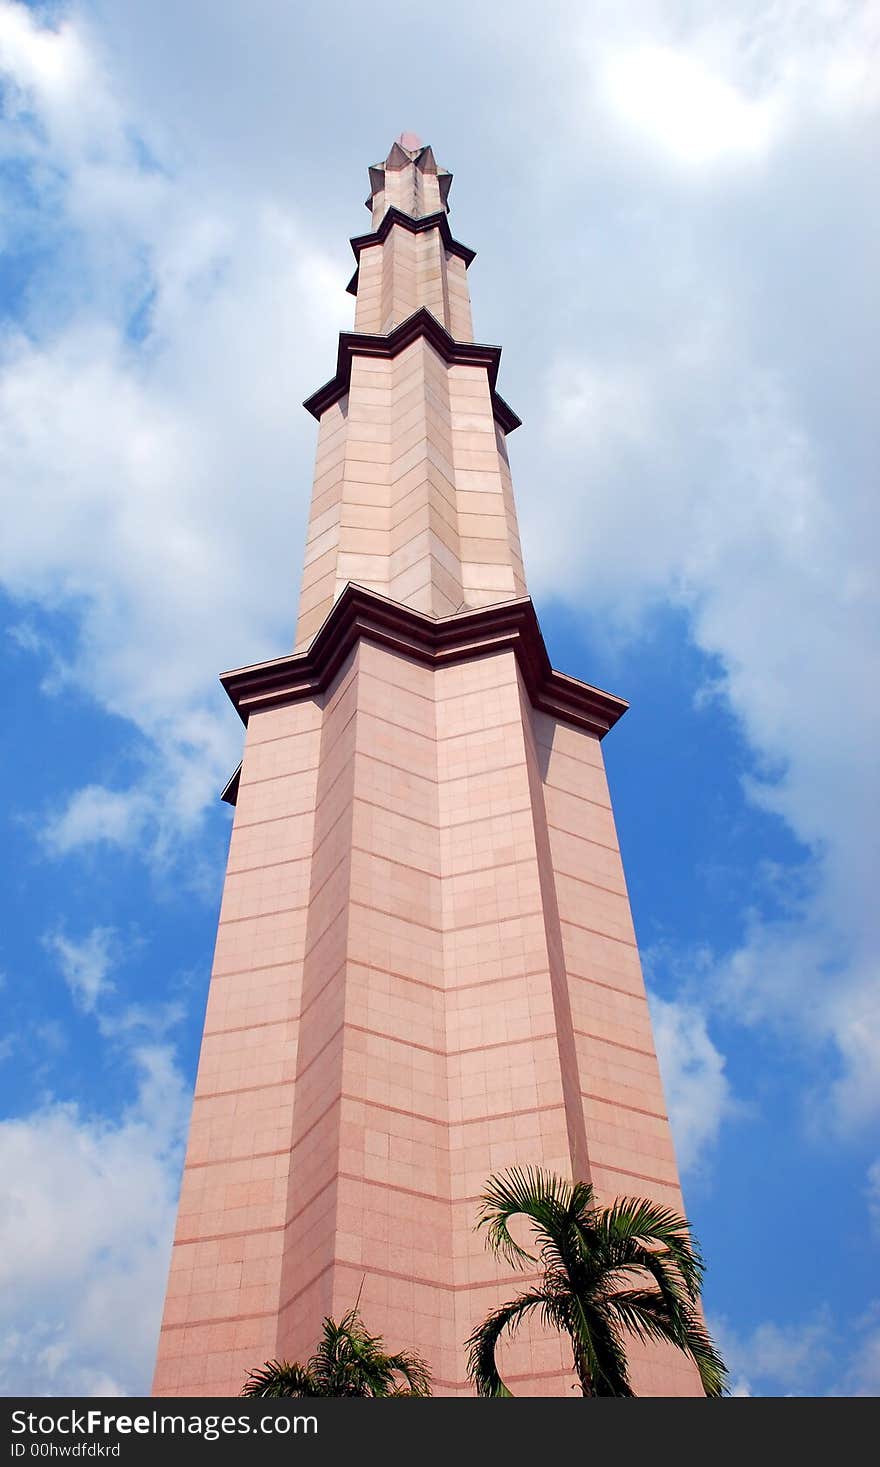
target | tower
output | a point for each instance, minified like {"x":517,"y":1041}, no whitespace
{"x":425,"y":966}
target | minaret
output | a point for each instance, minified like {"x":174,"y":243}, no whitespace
{"x":425,"y":967}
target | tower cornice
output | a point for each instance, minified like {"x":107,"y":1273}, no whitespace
{"x":435,"y":641}
{"x":415,"y":224}
{"x":422,"y":323}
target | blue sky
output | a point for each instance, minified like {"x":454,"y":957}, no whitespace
{"x":676,"y":221}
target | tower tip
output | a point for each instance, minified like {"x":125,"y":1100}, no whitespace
{"x":410,"y":142}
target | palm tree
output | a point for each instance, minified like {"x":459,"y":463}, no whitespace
{"x":633,"y":1267}
{"x":348,"y":1362}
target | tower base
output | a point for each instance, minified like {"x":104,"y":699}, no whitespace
{"x":425,"y":972}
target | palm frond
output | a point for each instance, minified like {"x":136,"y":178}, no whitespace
{"x":481,"y":1344}
{"x":414,"y":1371}
{"x":645,"y":1314}
{"x":349,"y":1361}
{"x":281,"y":1378}
{"x":545,"y":1199}
{"x":636,"y":1220}
{"x":599,"y":1356}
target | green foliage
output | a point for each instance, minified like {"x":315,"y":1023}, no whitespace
{"x":349,"y":1361}
{"x":632,"y":1268}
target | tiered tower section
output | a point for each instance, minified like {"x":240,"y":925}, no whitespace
{"x":413,"y":497}
{"x":426,"y":968}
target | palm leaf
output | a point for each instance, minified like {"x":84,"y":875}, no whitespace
{"x":589,"y":1254}
{"x":414,"y":1371}
{"x":643,"y":1312}
{"x":546,"y":1200}
{"x":599,"y":1356}
{"x":348,"y":1361}
{"x":482,"y":1368}
{"x":280,"y":1378}
{"x":635,"y":1220}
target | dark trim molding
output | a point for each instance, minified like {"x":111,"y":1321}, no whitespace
{"x":416,"y":224}
{"x":433,"y":641}
{"x":422,"y":323}
{"x":229,"y":792}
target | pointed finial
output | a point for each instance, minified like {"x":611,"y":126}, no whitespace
{"x":410,"y":142}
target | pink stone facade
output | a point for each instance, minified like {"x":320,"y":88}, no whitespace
{"x":425,"y":968}
{"x":413,"y":496}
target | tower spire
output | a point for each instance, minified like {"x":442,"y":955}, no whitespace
{"x":413,"y":497}
{"x":409,"y":180}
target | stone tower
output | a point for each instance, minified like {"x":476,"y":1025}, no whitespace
{"x":425,"y":967}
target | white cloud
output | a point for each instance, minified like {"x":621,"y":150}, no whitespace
{"x":729,"y":86}
{"x":793,"y":1356}
{"x":873,"y":1191}
{"x":710,"y":441}
{"x":681,"y":107}
{"x":820,"y":1356}
{"x":698,"y":1093}
{"x":53,"y":65}
{"x":151,"y":1021}
{"x":86,"y":965}
{"x":95,"y":1199}
{"x":797,"y":977}
{"x":95,"y":814}
{"x":734,"y":517}
{"x":169,"y":358}
{"x":863,"y":1377}
{"x":780,"y":1360}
